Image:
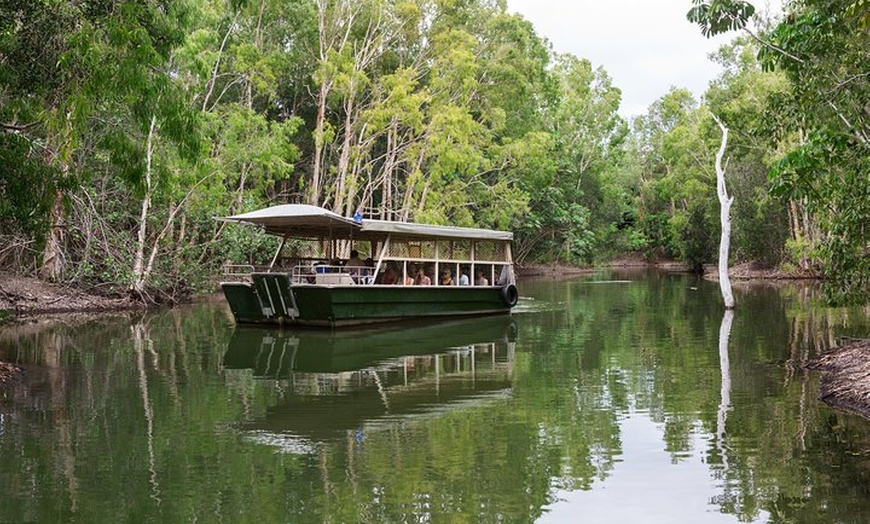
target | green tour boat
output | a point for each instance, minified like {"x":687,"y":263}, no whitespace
{"x":334,"y":271}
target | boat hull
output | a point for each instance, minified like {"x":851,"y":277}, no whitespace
{"x":271,"y":299}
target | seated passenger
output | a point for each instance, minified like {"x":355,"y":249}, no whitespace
{"x":421,"y":279}
{"x":446,"y":278}
{"x":354,"y":260}
{"x":354,"y":266}
{"x":368,"y":271}
{"x":463,"y":277}
{"x":389,"y":277}
{"x":479,"y":279}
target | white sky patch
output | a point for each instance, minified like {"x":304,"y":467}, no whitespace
{"x":646,"y":46}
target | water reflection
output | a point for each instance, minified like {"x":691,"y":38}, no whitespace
{"x":725,"y":388}
{"x":625,"y":401}
{"x":353,"y":382}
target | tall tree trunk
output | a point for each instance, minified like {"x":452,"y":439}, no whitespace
{"x":138,"y":285}
{"x":387,"y":211}
{"x":335,"y":24}
{"x":344,"y":157}
{"x":725,"y":218}
{"x":217,"y":63}
{"x":327,"y":38}
{"x":410,"y":185}
{"x":53,"y":253}
{"x":313,"y":194}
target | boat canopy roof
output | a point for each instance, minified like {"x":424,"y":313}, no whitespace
{"x":298,"y":220}
{"x":306,"y":221}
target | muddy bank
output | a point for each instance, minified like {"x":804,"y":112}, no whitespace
{"x":745,"y":272}
{"x":845,"y":376}
{"x":562,"y":270}
{"x":9,"y":373}
{"x":748,"y":271}
{"x":541,"y":270}
{"x":22,"y":296}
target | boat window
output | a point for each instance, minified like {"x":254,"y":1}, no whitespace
{"x":487,"y":250}
{"x":301,"y":249}
{"x":413,"y":249}
{"x":428,"y":249}
{"x":459,"y":250}
{"x":454,"y":251}
{"x":403,"y":249}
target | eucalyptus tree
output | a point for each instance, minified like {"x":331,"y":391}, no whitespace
{"x":31,"y":46}
{"x":246,"y":66}
{"x":412,"y":100}
{"x":150,"y":118}
{"x":336,"y":21}
{"x":675,"y":209}
{"x":45,"y":71}
{"x":830,"y":167}
{"x":568,"y":209}
{"x":77,"y":75}
{"x":175,"y":109}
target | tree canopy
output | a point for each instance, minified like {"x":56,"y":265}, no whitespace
{"x":133,"y":123}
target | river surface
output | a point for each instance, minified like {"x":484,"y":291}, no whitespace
{"x":611,"y":398}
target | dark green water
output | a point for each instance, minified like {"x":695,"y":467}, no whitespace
{"x":602,"y":399}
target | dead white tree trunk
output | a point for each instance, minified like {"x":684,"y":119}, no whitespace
{"x":137,"y":287}
{"x":725,"y":218}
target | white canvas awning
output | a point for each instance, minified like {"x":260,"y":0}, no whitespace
{"x":305,"y":221}
{"x":406,"y":229}
{"x":299,"y":220}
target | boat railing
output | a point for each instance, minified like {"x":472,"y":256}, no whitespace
{"x":238,"y":272}
{"x":325,"y":274}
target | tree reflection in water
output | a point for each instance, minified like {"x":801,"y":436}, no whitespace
{"x":595,"y":390}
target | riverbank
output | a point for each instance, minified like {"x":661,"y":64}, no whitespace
{"x":8,"y":373}
{"x":744,"y":272}
{"x":844,"y":377}
{"x":23,"y":296}
{"x":562,"y":270}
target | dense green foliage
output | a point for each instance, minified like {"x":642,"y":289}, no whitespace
{"x":126,"y":126}
{"x":820,"y":129}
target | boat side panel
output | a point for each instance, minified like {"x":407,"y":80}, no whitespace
{"x":243,"y":302}
{"x":349,"y":305}
{"x":346,"y":305}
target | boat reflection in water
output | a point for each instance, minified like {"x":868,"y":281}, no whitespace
{"x":336,"y":384}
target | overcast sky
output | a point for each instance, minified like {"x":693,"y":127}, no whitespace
{"x":646,"y":46}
